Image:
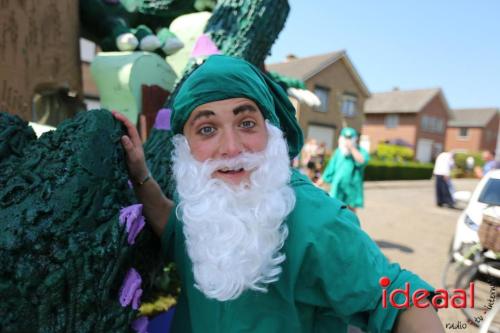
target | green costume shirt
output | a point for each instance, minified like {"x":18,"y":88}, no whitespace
{"x":330,"y":277}
{"x":346,"y":177}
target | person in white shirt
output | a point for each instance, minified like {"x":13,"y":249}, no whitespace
{"x":442,"y":173}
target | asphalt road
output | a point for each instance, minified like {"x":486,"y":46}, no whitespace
{"x":401,"y":216}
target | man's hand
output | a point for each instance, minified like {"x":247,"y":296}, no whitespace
{"x":156,"y":206}
{"x":132,"y":144}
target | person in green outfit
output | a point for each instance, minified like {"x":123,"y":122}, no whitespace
{"x":257,"y":246}
{"x":345,"y":170}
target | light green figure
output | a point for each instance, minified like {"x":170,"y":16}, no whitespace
{"x":345,"y":170}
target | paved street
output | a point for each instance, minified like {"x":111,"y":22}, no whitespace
{"x":401,"y":216}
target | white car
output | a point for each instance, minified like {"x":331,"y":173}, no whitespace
{"x":484,"y":199}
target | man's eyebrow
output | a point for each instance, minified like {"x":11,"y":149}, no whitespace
{"x":201,"y":114}
{"x":244,"y":108}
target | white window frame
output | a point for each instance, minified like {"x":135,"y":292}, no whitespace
{"x":88,"y":50}
{"x":463,"y":137}
{"x":324,"y":96}
{"x":391,"y":121}
{"x":349,"y":106}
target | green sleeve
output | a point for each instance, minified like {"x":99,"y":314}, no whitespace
{"x":330,"y":168}
{"x":366,"y":158}
{"x":341,"y":272}
{"x":167,"y":237}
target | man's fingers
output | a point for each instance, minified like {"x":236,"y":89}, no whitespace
{"x":131,"y":130}
{"x":127,"y":144}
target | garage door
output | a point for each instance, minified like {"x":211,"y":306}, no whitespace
{"x":424,"y":150}
{"x":321,"y":134}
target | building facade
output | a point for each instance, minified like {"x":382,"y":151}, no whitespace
{"x":414,"y":118}
{"x":473,"y":130}
{"x":333,"y":78}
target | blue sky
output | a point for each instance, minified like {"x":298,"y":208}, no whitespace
{"x":450,"y":44}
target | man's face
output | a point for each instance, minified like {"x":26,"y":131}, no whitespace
{"x":225,"y":129}
{"x":487,"y":156}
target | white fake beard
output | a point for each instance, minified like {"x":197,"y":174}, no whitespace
{"x":342,"y":146}
{"x":234,"y":232}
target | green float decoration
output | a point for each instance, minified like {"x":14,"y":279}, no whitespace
{"x":129,"y":25}
{"x":120,"y":75}
{"x":64,"y":252}
{"x":76,"y":254}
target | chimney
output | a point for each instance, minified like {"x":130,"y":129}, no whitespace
{"x":290,"y":57}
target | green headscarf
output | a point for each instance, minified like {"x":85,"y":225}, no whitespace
{"x":349,"y":132}
{"x":222,"y":77}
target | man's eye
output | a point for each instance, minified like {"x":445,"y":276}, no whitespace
{"x":206,"y":130}
{"x":248,"y":124}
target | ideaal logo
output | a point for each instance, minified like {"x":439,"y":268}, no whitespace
{"x":456,"y":298}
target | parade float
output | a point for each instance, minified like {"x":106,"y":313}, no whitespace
{"x":77,"y":255}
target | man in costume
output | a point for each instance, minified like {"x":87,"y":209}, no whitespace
{"x":345,"y":170}
{"x":445,"y":162}
{"x":258,"y":247}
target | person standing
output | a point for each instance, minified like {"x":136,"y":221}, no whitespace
{"x":442,"y":173}
{"x":489,"y":164}
{"x":345,"y":170}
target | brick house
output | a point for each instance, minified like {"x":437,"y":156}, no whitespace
{"x":333,"y":78}
{"x":473,"y":130}
{"x":417,"y":118}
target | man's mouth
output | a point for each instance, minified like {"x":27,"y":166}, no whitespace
{"x":230,"y":171}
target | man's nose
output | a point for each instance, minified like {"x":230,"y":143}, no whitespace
{"x":231,"y":144}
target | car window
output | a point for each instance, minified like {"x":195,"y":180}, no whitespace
{"x":491,"y":193}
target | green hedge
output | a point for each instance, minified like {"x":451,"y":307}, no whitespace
{"x":394,"y":152}
{"x":387,"y":170}
{"x":460,"y":170}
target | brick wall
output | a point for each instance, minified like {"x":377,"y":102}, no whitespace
{"x":377,"y":132}
{"x":338,"y":79}
{"x":435,"y":108}
{"x":477,"y":139}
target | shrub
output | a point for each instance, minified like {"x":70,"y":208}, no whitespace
{"x":460,"y":170}
{"x":390,"y":152}
{"x":389,"y":170}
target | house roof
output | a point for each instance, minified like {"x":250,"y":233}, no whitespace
{"x":398,"y":101}
{"x":472,"y":117}
{"x":307,"y":67}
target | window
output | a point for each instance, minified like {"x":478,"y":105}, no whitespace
{"x":348,"y":107}
{"x":463,"y":132}
{"x":432,"y":124}
{"x":322,"y":94}
{"x":87,"y":50}
{"x":391,"y":121}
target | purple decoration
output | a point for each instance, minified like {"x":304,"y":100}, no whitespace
{"x":140,"y":325}
{"x":204,"y":47}
{"x":136,"y":301}
{"x":132,"y":217}
{"x":130,"y":185}
{"x":131,"y":291}
{"x":162,"y":120}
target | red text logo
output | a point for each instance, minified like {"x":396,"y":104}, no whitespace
{"x":456,"y":298}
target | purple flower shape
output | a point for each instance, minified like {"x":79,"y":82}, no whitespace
{"x":131,"y":291}
{"x":140,"y":325}
{"x":132,"y":217}
{"x":162,"y":120}
{"x":204,"y":46}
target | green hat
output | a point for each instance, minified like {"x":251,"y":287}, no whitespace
{"x":223,"y":77}
{"x":349,"y":132}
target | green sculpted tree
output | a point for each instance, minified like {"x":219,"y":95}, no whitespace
{"x":77,"y":255}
